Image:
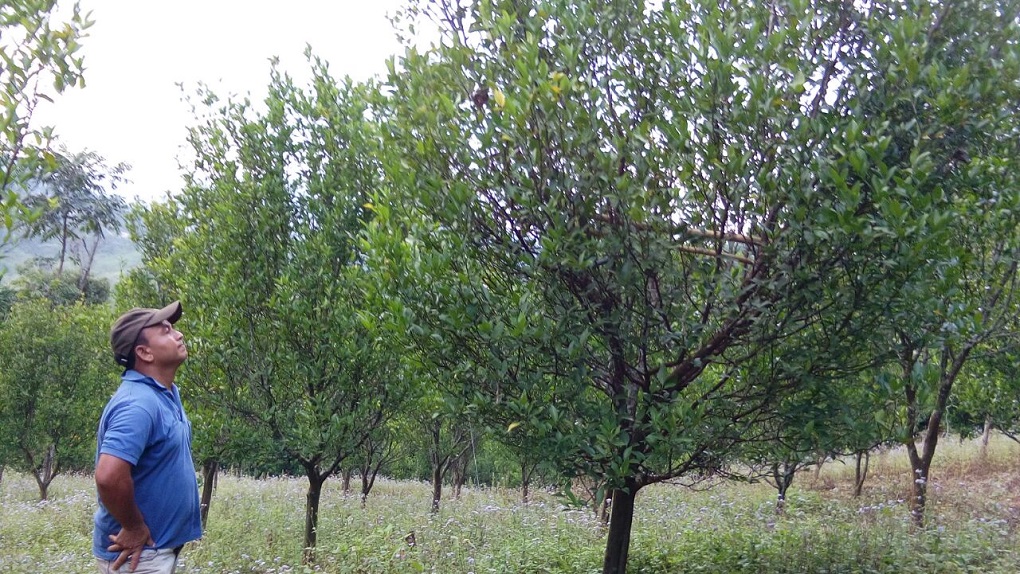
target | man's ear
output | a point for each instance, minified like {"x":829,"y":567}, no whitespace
{"x":142,"y":353}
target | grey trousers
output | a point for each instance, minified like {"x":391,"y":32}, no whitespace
{"x":162,"y":561}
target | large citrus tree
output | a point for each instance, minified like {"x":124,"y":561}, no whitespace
{"x":638,"y":202}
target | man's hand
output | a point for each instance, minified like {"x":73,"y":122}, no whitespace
{"x":117,"y":492}
{"x":130,"y":544}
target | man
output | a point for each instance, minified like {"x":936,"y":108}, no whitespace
{"x":145,"y":477}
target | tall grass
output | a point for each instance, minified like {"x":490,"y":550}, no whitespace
{"x":256,"y":526}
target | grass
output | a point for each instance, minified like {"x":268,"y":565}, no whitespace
{"x":256,"y":526}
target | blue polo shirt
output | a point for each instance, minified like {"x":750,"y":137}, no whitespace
{"x":144,"y":424}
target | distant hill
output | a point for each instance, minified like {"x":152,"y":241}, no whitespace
{"x":116,"y":255}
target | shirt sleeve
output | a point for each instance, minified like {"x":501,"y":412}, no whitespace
{"x":128,"y":427}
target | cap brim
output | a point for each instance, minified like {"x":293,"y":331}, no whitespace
{"x":171,"y":313}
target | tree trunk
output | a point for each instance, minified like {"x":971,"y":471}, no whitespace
{"x":525,"y":482}
{"x":920,"y":462}
{"x":315,"y":481}
{"x":369,"y":472}
{"x":603,"y":508}
{"x":986,"y":434}
{"x":437,"y":487}
{"x":366,"y":486}
{"x":87,"y":261}
{"x":861,"y":471}
{"x":919,"y":488}
{"x":63,"y":246}
{"x":45,"y":474}
{"x":438,"y":461}
{"x":783,"y":475}
{"x":345,"y":480}
{"x":621,"y":521}
{"x":459,"y":475}
{"x":209,"y":472}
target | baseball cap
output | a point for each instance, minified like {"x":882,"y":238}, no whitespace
{"x":125,"y":330}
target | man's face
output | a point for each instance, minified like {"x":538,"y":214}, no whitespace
{"x":162,"y":345}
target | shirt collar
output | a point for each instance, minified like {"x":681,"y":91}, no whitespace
{"x":136,"y":377}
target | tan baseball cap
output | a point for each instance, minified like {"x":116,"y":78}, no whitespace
{"x":124,"y":333}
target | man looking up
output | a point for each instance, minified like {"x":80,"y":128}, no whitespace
{"x":145,"y":477}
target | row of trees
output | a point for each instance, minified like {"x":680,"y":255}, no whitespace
{"x":636,"y":244}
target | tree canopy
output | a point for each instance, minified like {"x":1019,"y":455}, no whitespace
{"x":55,"y":376}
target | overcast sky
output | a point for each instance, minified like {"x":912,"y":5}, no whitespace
{"x":138,"y":51}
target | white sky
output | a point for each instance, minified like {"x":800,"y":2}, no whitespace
{"x":131,"y":109}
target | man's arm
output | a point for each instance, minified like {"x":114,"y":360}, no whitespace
{"x":117,"y":492}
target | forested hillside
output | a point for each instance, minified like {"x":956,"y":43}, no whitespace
{"x":116,"y":254}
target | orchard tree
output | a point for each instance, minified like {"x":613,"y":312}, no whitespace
{"x":439,"y":361}
{"x":445,"y":433}
{"x":55,"y":374}
{"x":976,"y":305}
{"x":40,"y":55}
{"x":153,"y":229}
{"x":829,"y":410}
{"x":373,"y":457}
{"x":647,"y":198}
{"x":265,"y":252}
{"x":804,"y":425}
{"x":989,"y":395}
{"x":967,"y":114}
{"x":142,"y":288}
{"x":867,"y":419}
{"x":522,"y":443}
